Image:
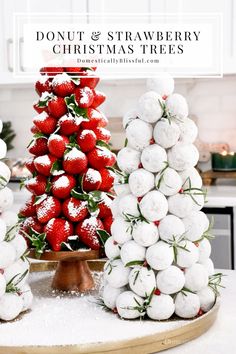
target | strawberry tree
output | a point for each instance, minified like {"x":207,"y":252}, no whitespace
{"x":71,"y":182}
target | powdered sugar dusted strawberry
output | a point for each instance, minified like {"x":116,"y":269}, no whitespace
{"x":63,"y":85}
{"x":104,"y":206}
{"x":74,"y":209}
{"x":57,"y":231}
{"x":91,"y":180}
{"x":101,"y":157}
{"x":29,"y":209}
{"x":102,"y":134}
{"x":87,"y":232}
{"x":44,"y":163}
{"x":84,"y":97}
{"x":49,"y":208}
{"x":30,"y":165}
{"x":39,"y":109}
{"x":96,"y":118}
{"x":75,"y":161}
{"x":62,"y":186}
{"x":98,"y":98}
{"x":31,"y":224}
{"x":69,"y":124}
{"x":57,"y":144}
{"x":107,"y":223}
{"x":36,"y":185}
{"x":44,"y":123}
{"x":38,"y":146}
{"x":43,"y":85}
{"x":108,"y":177}
{"x":57,"y":107}
{"x":91,"y":81}
{"x":86,"y":140}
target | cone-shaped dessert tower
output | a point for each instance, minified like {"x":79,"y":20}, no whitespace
{"x":70,"y":177}
{"x":15,"y":293}
{"x":159,"y":253}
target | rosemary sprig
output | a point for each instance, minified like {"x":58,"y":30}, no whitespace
{"x":185,"y":290}
{"x":215,"y":283}
{"x":11,"y":233}
{"x":175,"y":243}
{"x":122,"y":176}
{"x":161,"y":174}
{"x":133,"y":220}
{"x":12,"y":284}
{"x":192,"y":191}
{"x":208,"y":233}
{"x":110,"y":265}
{"x":167,"y":114}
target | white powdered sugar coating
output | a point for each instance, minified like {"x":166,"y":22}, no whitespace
{"x":74,"y":154}
{"x":43,"y":79}
{"x":75,"y":209}
{"x":139,"y":134}
{"x":182,"y":156}
{"x":86,"y":132}
{"x":93,"y":176}
{"x":149,"y":107}
{"x":43,"y":160}
{"x":85,"y":95}
{"x":61,"y":182}
{"x":60,"y":79}
{"x":40,"y":117}
{"x":68,"y":117}
{"x":163,"y":84}
{"x":166,"y":133}
{"x":45,"y":206}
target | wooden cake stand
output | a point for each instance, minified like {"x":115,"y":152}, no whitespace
{"x":72,"y":272}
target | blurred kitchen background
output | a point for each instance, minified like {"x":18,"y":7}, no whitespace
{"x":212,"y":102}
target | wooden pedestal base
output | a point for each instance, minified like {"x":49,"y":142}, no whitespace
{"x":72,"y":272}
{"x":73,"y":275}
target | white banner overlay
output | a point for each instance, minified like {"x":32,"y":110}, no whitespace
{"x":186,"y":45}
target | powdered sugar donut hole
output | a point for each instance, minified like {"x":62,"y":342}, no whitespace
{"x":166,"y":133}
{"x":11,"y":305}
{"x":145,"y":234}
{"x":3,"y":149}
{"x":168,"y":182}
{"x":196,"y":224}
{"x":154,"y":206}
{"x":115,"y":207}
{"x":7,"y":254}
{"x":126,"y":305}
{"x":154,"y":158}
{"x":128,"y":205}
{"x":132,"y":251}
{"x":9,"y":217}
{"x":141,"y":182}
{"x":1,"y":126}
{"x":196,"y":277}
{"x":128,"y":117}
{"x":187,"y":254}
{"x":20,"y":245}
{"x":191,"y":178}
{"x":209,"y":266}
{"x":199,"y":201}
{"x":161,"y":307}
{"x":207,"y":298}
{"x":187,"y":305}
{"x":112,"y":248}
{"x":26,"y":296}
{"x":110,"y":295}
{"x":204,"y":248}
{"x":170,"y":280}
{"x":2,"y":285}
{"x":121,"y":189}
{"x":128,"y":159}
{"x":116,"y":274}
{"x":120,"y":230}
{"x":188,"y":131}
{"x":142,"y":281}
{"x":149,"y":107}
{"x":163,"y":84}
{"x":171,"y":227}
{"x":3,"y":229}
{"x":5,"y":174}
{"x":139,"y":134}
{"x":177,"y":106}
{"x":6,"y":199}
{"x":160,"y":255}
{"x":180,"y":205}
{"x":182,"y":156}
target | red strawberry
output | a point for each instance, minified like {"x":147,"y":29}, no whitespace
{"x":107,"y":179}
{"x":29,"y":209}
{"x":57,"y":107}
{"x":86,"y":140}
{"x":44,"y":163}
{"x":102,"y":134}
{"x":91,"y":180}
{"x":107,"y":223}
{"x":51,"y":71}
{"x":37,"y":185}
{"x":49,"y":208}
{"x":73,"y":70}
{"x":95,"y":118}
{"x":62,"y":186}
{"x":63,"y":85}
{"x":57,"y":144}
{"x":104,"y":207}
{"x":90,"y":82}
{"x":39,"y":146}
{"x":84,"y":97}
{"x":100,"y":157}
{"x":31,"y":223}
{"x":69,"y":124}
{"x":57,"y":231}
{"x":43,"y":85}
{"x":45,"y":124}
{"x":30,"y":165}
{"x":75,"y":161}
{"x":34,"y":129}
{"x":98,"y":98}
{"x":39,"y":109}
{"x":87,"y":232}
{"x":74,"y":209}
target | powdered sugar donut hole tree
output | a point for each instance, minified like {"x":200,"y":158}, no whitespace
{"x":159,"y":253}
{"x":15,"y":293}
{"x":69,"y":209}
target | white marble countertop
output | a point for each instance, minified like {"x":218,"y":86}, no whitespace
{"x":221,"y":196}
{"x":221,"y":337}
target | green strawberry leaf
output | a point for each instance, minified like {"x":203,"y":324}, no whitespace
{"x":96,"y":196}
{"x":56,"y":168}
{"x":103,"y":235}
{"x":80,"y":196}
{"x":103,"y":144}
{"x":75,"y":80}
{"x":43,"y":101}
{"x":48,"y":186}
{"x":74,"y":109}
{"x":133,"y":263}
{"x":40,"y":198}
{"x":126,"y":142}
{"x":38,"y":242}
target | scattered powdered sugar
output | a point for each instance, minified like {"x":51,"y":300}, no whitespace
{"x":45,"y":95}
{"x":45,"y":206}
{"x":86,"y":132}
{"x":30,"y":182}
{"x":74,"y":154}
{"x":103,"y":152}
{"x":85,"y":95}
{"x":90,"y":224}
{"x":60,"y":79}
{"x":43,"y":160}
{"x":75,"y":209}
{"x":41,"y":117}
{"x":43,"y":78}
{"x":55,"y":137}
{"x":61,"y":182}
{"x":93,"y":176}
{"x":72,"y":319}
